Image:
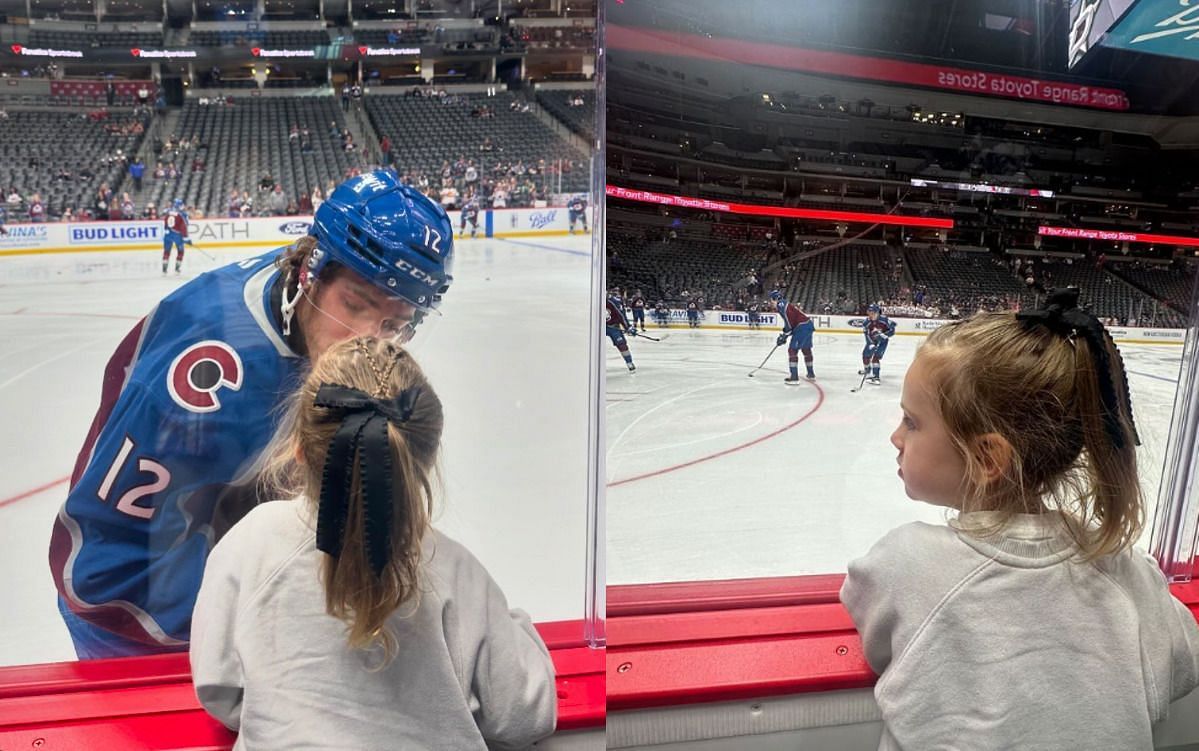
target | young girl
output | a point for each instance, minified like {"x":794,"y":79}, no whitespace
{"x":341,"y":619}
{"x":1029,"y":622}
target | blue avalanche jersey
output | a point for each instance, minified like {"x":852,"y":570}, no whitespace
{"x":188,"y":405}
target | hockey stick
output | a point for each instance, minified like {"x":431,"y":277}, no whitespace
{"x":865,"y":372}
{"x":651,"y":338}
{"x":755,"y":370}
{"x":197,"y":248}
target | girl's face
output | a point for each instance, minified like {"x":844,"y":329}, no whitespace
{"x":930,"y":465}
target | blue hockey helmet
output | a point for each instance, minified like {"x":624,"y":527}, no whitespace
{"x":775,"y":295}
{"x":874,"y":308}
{"x":389,"y":234}
{"x":177,"y":203}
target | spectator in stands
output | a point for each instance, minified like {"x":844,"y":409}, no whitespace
{"x":347,"y":142}
{"x":334,"y":130}
{"x":37,"y":209}
{"x":136,"y":171}
{"x":385,"y":150}
{"x":345,"y":98}
{"x":294,"y":134}
{"x":160,"y":171}
{"x":356,"y":95}
{"x":305,"y":140}
{"x":276,"y":202}
{"x":234,"y":208}
{"x":14,"y":198}
{"x":110,"y":93}
{"x":487,"y":145}
{"x":128,"y":210}
{"x":266,"y":183}
{"x":198,"y":164}
{"x":449,"y":197}
{"x":68,"y":214}
{"x":317,"y":198}
{"x":150,"y":212}
{"x":304,"y":206}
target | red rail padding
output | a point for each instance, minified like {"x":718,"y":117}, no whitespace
{"x":694,"y":642}
{"x":148,"y":702}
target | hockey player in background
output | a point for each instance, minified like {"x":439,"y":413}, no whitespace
{"x":662,"y":313}
{"x":616,"y":326}
{"x":174,"y":224}
{"x":189,"y":403}
{"x":797,"y":327}
{"x":692,"y":314}
{"x":751,"y":315}
{"x":878,"y":330}
{"x":638,"y":306}
{"x":576,"y":209}
{"x":470,"y":215}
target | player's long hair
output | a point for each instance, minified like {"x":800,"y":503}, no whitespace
{"x":1039,"y":391}
{"x":293,"y":259}
{"x":353,"y":593}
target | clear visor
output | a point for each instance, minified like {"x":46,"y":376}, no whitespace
{"x":368,"y":322}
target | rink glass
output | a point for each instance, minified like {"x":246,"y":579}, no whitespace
{"x":714,"y":474}
{"x":510,"y":355}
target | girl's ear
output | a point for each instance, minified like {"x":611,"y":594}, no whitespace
{"x":299,"y":453}
{"x":994,"y":455}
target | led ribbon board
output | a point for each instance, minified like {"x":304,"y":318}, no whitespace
{"x":849,"y":217}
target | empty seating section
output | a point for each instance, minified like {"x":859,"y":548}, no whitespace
{"x":580,"y":118}
{"x":860,"y":273}
{"x":1105,"y":294}
{"x":680,"y":269}
{"x":271,"y":39}
{"x":965,"y":280}
{"x":239,"y":143}
{"x":82,"y":39}
{"x":63,"y":156}
{"x":1172,"y":286}
{"x":428,"y":132}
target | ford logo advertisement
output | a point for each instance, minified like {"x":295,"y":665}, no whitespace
{"x":295,"y":228}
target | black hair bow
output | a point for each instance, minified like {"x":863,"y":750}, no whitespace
{"x":363,"y":430}
{"x":1060,"y":314}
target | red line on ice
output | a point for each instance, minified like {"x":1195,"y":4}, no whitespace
{"x":718,"y":454}
{"x":21,"y":496}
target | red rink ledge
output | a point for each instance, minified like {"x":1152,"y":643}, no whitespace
{"x":739,"y":639}
{"x":149,"y":703}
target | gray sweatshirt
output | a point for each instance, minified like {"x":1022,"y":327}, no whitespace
{"x":268,"y":661}
{"x":1011,"y":643}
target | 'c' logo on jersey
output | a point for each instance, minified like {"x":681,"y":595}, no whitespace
{"x":200,"y":371}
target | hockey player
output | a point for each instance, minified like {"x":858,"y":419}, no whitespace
{"x":662,"y":313}
{"x":616,"y":326}
{"x":751,"y":314}
{"x":692,"y":314}
{"x":797,"y":327}
{"x":189,"y":403}
{"x":638,"y":306}
{"x":576,"y":209}
{"x":174,"y":223}
{"x":878,"y":330}
{"x":470,"y":214}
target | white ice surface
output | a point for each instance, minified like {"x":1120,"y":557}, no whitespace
{"x":508,"y":358}
{"x":715,"y":475}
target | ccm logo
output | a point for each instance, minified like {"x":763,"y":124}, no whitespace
{"x":202,"y":370}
